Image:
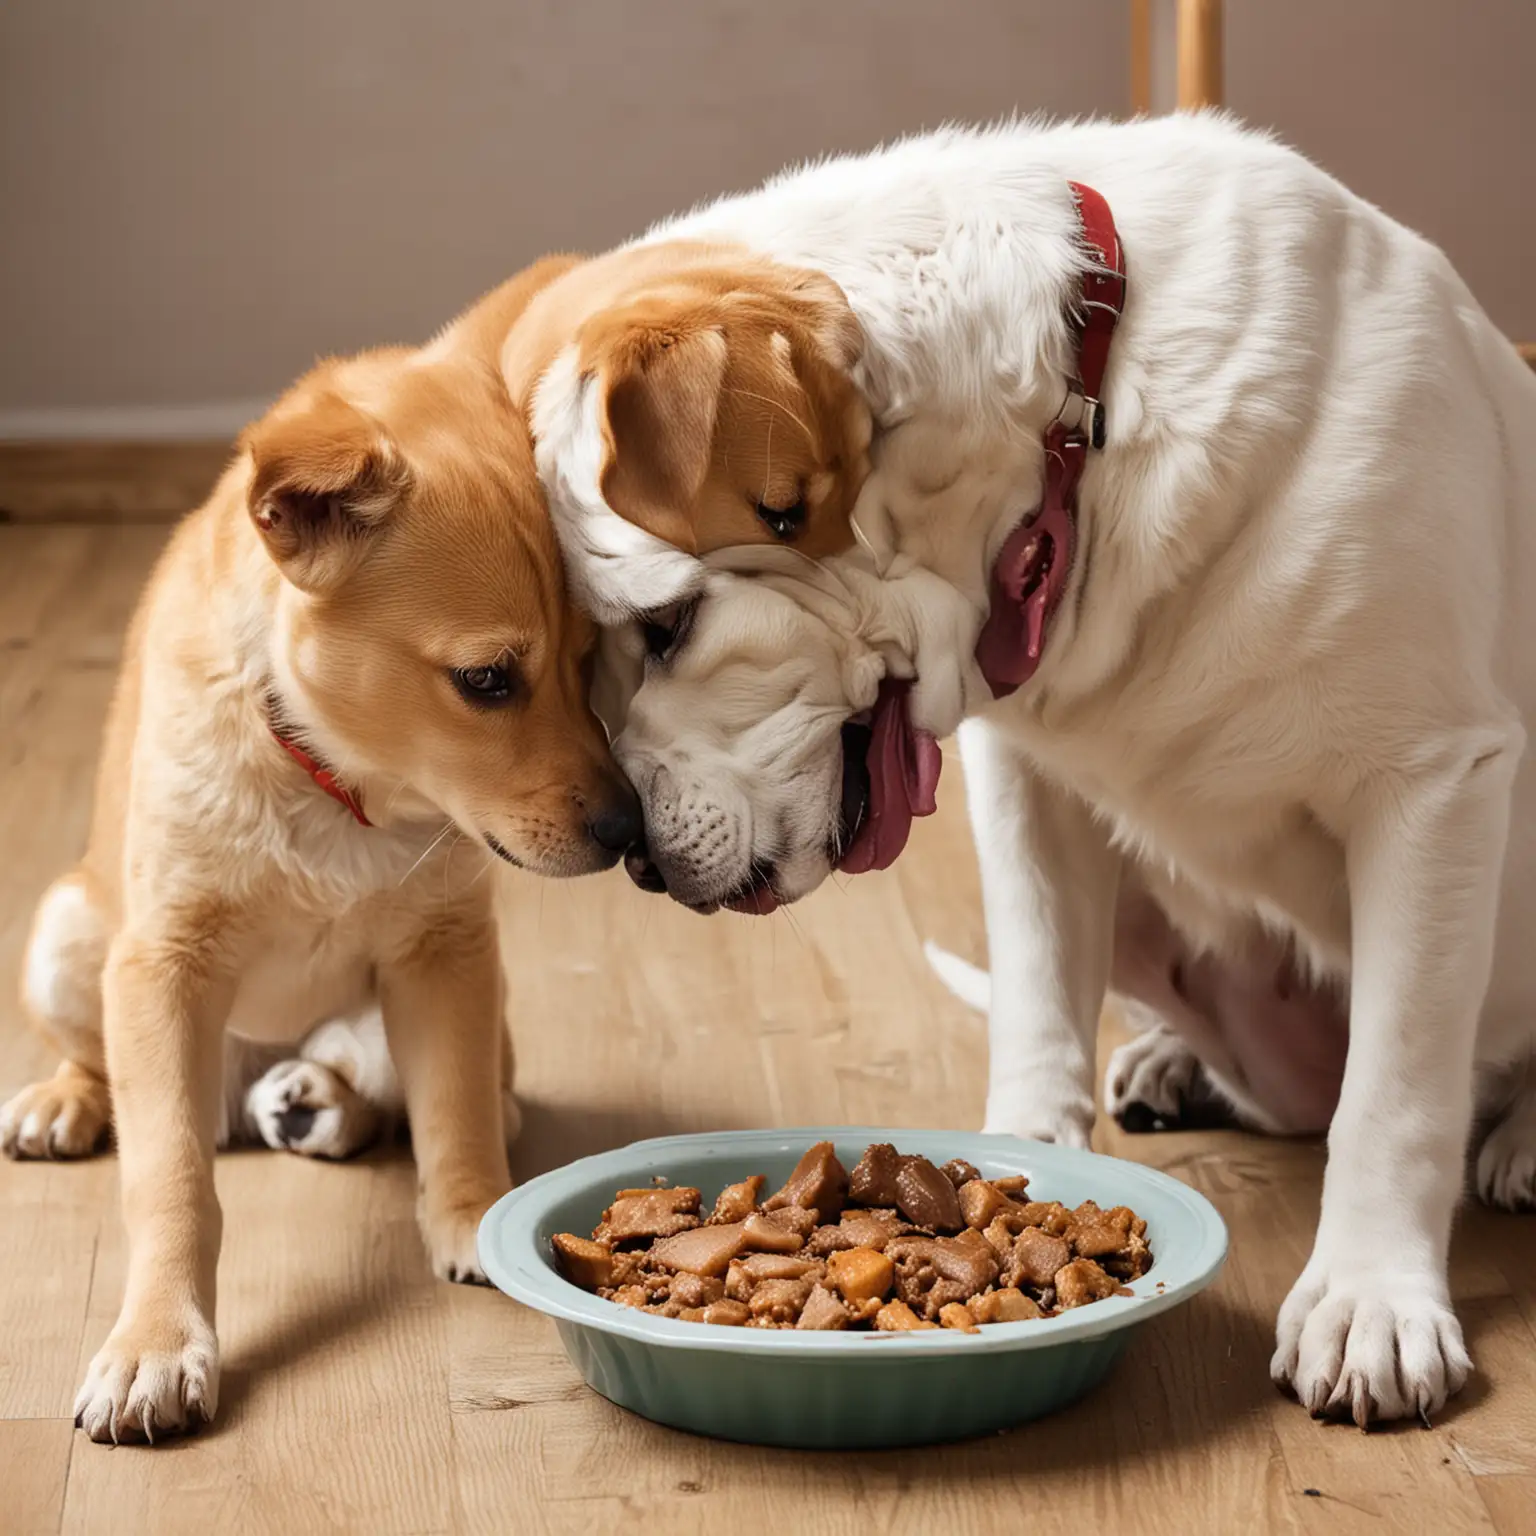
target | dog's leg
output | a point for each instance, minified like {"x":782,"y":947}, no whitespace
{"x":442,"y":1003}
{"x":165,"y":1005}
{"x":1506,"y":1161}
{"x":1368,"y":1329}
{"x":1048,"y":881}
{"x":68,"y":1114}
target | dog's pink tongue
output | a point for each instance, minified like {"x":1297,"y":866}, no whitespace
{"x":904,"y":765}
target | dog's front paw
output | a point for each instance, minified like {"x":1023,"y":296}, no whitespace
{"x":1063,"y":1115}
{"x":302,"y":1106}
{"x":1506,"y":1165}
{"x":1369,"y":1345}
{"x":1147,"y":1080}
{"x":63,"y":1116}
{"x":452,"y":1239}
{"x":150,"y":1382}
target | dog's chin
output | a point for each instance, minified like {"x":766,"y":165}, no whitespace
{"x":764,"y":888}
{"x":566,"y":864}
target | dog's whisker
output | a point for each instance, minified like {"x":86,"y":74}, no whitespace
{"x":426,"y":853}
{"x":777,"y":405}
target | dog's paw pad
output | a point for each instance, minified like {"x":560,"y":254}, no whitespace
{"x":302,"y":1106}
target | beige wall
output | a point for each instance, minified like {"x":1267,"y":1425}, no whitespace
{"x":1427,"y":107}
{"x":197,"y":198}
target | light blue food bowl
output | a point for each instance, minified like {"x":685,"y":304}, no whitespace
{"x":836,"y":1390}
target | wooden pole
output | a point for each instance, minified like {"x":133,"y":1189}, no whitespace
{"x":1141,"y":55}
{"x":1200,"y":73}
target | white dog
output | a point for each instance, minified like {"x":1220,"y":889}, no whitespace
{"x":1267,"y":776}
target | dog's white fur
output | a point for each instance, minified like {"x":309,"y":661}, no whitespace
{"x":1285,"y":691}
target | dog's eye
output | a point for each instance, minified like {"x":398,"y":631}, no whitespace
{"x":485,"y":687}
{"x":782,"y":522}
{"x":666,"y":628}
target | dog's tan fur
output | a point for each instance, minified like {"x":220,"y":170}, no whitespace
{"x":724,"y":389}
{"x":381,"y":527}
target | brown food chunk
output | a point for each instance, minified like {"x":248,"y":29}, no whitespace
{"x":583,"y":1262}
{"x":926,"y":1198}
{"x":1051,"y":1215}
{"x":931,"y":1272}
{"x":629,"y":1296}
{"x":1008,"y":1305}
{"x":873,"y":1180}
{"x":860,"y":1273}
{"x":761,"y":1233}
{"x":1082,"y":1281}
{"x":959,"y":1172}
{"x":728,"y":1314}
{"x":1002,"y":1230}
{"x":692,"y":1290}
{"x":702,"y":1250}
{"x":1133,"y":1261}
{"x":780,"y":1266}
{"x":1094,"y":1240}
{"x":779,"y":1301}
{"x":863,"y":1311}
{"x":1011,"y":1184}
{"x":957,"y":1315}
{"x":823,"y":1310}
{"x":819,"y":1183}
{"x":981,"y":1203}
{"x":1115,"y":1237}
{"x":898,"y":1317}
{"x":858,"y":1229}
{"x":737,"y":1201}
{"x":792,"y":1218}
{"x":1035,"y":1258}
{"x":649,"y":1213}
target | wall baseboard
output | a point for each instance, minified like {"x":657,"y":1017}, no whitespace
{"x":107,"y":482}
{"x":211,"y":421}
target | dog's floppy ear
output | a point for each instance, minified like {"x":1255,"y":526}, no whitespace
{"x":323,"y":478}
{"x":661,"y":395}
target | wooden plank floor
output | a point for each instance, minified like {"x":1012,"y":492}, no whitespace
{"x":360,"y":1395}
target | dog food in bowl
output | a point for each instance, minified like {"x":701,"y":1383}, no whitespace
{"x":895,"y":1245}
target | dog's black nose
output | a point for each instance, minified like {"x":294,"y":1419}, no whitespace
{"x":637,"y":862}
{"x":619,"y":824}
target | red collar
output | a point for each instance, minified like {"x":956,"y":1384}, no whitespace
{"x":1035,"y":562}
{"x":323,"y":776}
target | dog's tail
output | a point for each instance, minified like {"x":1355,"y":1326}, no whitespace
{"x":971,"y":984}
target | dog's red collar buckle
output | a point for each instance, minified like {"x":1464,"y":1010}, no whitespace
{"x":1035,"y":562}
{"x":317,"y":770}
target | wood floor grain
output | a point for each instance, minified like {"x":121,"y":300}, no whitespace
{"x":361,"y":1395}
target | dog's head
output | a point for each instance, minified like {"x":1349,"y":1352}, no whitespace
{"x":423,"y":631}
{"x":769,"y":734}
{"x":688,"y":398}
